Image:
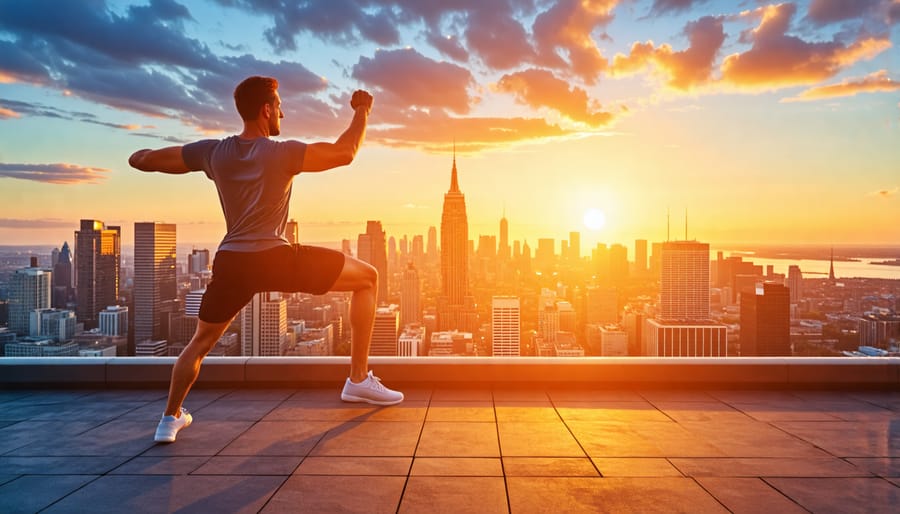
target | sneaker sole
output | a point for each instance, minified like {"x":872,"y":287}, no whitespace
{"x":360,"y":399}
{"x":161,"y":439}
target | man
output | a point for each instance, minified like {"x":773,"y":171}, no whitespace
{"x":253,"y":175}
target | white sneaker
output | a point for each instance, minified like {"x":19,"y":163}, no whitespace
{"x":370,"y":390}
{"x":170,"y":425}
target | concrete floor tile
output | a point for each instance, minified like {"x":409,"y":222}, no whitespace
{"x":526,"y":412}
{"x":344,"y":494}
{"x":614,"y":495}
{"x":674,"y":395}
{"x":8,"y":478}
{"x":750,"y":439}
{"x":201,"y":438}
{"x":458,"y":439}
{"x":279,"y":438}
{"x":363,"y":466}
{"x":520,"y":395}
{"x":234,"y":410}
{"x":294,"y":410}
{"x":768,"y":467}
{"x":128,"y":395}
{"x":796,"y":410}
{"x":456,"y":466}
{"x":260,"y":395}
{"x":449,"y":410}
{"x":248,"y":465}
{"x":159,"y":466}
{"x":116,"y":438}
{"x":593,"y":395}
{"x":717,"y":412}
{"x":409,"y":410}
{"x":883,"y":467}
{"x":548,"y":467}
{"x":751,"y":396}
{"x":537,"y":440}
{"x":636,"y":467}
{"x":30,"y":494}
{"x":329,"y":394}
{"x":625,"y":412}
{"x":21,"y":434}
{"x":186,"y":493}
{"x":371,"y":439}
{"x":150,"y":412}
{"x":462,"y":395}
{"x":647,"y":439}
{"x":59,"y":465}
{"x":849,"y":438}
{"x":749,"y":496}
{"x":840,"y":495}
{"x":457,"y":495}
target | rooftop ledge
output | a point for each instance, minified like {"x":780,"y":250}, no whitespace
{"x":684,"y":372}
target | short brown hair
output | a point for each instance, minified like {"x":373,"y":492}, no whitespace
{"x":251,"y":94}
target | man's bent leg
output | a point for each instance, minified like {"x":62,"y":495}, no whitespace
{"x":362,"y":279}
{"x":187,"y":367}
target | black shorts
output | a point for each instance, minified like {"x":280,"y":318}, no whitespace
{"x":237,"y":276}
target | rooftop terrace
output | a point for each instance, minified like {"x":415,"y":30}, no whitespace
{"x":658,"y":436}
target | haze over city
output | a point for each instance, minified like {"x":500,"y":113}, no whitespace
{"x":772,"y":123}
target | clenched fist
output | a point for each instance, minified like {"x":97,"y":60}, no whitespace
{"x":361,"y":98}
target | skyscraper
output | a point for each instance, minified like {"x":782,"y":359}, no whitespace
{"x":114,"y":321}
{"x":97,"y":262}
{"x":385,"y":331}
{"x":766,"y":321}
{"x":264,"y":325}
{"x":504,"y":251}
{"x":410,"y":296}
{"x":431,"y":252}
{"x":684,"y":282}
{"x":454,"y":257}
{"x":795,"y":283}
{"x":292,"y":232}
{"x":29,"y":290}
{"x":371,"y":247}
{"x":61,"y":280}
{"x":640,"y":256}
{"x":575,"y":246}
{"x":154,"y":277}
{"x":198,"y":261}
{"x":505,"y":326}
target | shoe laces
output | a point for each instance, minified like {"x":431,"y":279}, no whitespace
{"x":376,"y":383}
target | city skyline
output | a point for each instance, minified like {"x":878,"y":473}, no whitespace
{"x":768,"y":122}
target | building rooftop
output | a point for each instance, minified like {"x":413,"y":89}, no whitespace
{"x":466,"y":446}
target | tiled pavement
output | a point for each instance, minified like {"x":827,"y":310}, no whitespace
{"x":454,"y":450}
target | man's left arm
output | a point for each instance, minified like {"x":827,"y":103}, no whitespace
{"x":165,"y":160}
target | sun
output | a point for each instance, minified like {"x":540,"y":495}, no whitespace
{"x":594,"y":219}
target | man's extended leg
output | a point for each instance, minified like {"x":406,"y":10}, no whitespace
{"x":362,"y":279}
{"x":184,"y":373}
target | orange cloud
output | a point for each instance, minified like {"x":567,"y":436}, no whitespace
{"x":8,"y":113}
{"x":778,"y":60}
{"x":540,"y":88}
{"x":885,"y":193}
{"x":873,"y":83}
{"x":58,"y":173}
{"x":435,"y":132}
{"x":686,"y":69}
{"x":567,"y":27}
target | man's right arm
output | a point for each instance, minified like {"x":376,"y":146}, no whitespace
{"x":324,"y":156}
{"x":166,"y":160}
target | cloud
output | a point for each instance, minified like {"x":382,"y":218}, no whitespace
{"x":8,"y":113}
{"x":59,"y":173}
{"x":448,"y":46}
{"x":685,"y":69}
{"x":567,"y":27}
{"x":497,"y":37}
{"x":876,"y":82}
{"x":673,"y":6}
{"x":779,"y":60}
{"x":32,"y":224}
{"x":409,"y":79}
{"x":540,"y":88}
{"x":824,"y":12}
{"x":885,"y":193}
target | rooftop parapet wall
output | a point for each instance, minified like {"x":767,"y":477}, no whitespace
{"x":680,"y":372}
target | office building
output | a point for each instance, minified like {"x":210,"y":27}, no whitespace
{"x":264,"y":325}
{"x":385,"y":331}
{"x":684,"y":339}
{"x":410,"y":296}
{"x":61,"y":281}
{"x":506,"y":326}
{"x":640,"y":256}
{"x":56,"y":324}
{"x":151,"y":348}
{"x":684,"y":281}
{"x":371,"y":247}
{"x":29,"y":290}
{"x":795,"y":283}
{"x":766,"y":321}
{"x":114,"y":321}
{"x":154,"y":277}
{"x":451,"y":343}
{"x":613,"y":341}
{"x":412,"y":341}
{"x":98,"y":258}
{"x":198,"y":261}
{"x":456,"y":309}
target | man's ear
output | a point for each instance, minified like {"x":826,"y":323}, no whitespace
{"x":266,"y":111}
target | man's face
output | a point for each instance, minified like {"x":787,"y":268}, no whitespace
{"x":275,"y":119}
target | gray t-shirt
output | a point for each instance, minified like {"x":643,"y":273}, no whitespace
{"x":253,"y":177}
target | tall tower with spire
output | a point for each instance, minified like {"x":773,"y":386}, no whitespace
{"x":831,"y":270}
{"x":454,"y":256}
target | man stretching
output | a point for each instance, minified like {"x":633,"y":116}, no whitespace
{"x":253,"y":175}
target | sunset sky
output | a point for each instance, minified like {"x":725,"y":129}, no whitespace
{"x":768,"y":122}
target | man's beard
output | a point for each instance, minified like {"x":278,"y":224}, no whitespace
{"x":274,"y":128}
